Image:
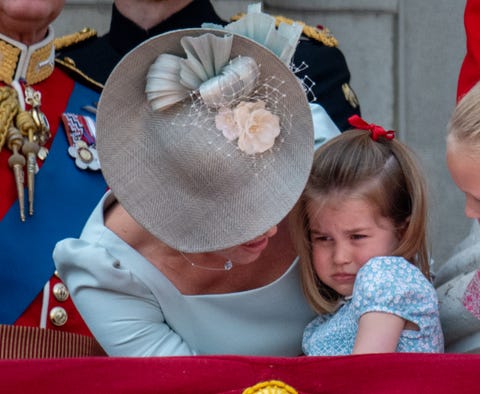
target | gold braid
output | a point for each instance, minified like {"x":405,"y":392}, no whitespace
{"x":75,"y":38}
{"x":9,"y":106}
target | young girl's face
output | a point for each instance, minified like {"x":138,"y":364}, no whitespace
{"x":345,"y":233}
{"x":464,"y":166}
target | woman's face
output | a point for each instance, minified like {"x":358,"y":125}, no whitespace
{"x":464,"y":166}
{"x":27,"y":20}
{"x":249,"y":251}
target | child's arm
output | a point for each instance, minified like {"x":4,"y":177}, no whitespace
{"x":378,"y":332}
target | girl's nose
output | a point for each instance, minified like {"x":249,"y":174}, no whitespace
{"x":341,"y":255}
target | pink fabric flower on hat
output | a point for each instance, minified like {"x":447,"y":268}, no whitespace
{"x":225,"y":122}
{"x":471,"y":297}
{"x":255,"y":127}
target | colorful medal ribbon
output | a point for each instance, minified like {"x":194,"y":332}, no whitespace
{"x":80,"y":131}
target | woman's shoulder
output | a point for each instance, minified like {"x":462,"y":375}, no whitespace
{"x":98,"y":254}
{"x":84,"y":249}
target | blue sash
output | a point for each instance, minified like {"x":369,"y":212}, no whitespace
{"x":64,"y":199}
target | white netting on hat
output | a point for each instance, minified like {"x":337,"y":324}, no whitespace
{"x":306,"y":81}
{"x":254,"y":121}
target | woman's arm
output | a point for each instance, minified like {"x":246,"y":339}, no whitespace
{"x":119,"y":309}
{"x":378,"y":332}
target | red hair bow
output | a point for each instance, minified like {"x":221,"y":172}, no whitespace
{"x":375,"y":130}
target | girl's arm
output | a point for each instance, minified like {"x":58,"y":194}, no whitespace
{"x":378,"y":332}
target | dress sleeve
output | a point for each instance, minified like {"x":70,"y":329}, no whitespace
{"x":119,"y":309}
{"x":393,"y":285}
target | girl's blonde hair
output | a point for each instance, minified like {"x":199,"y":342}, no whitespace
{"x":464,"y":124}
{"x":386,"y":174}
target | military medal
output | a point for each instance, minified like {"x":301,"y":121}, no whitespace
{"x":80,"y":131}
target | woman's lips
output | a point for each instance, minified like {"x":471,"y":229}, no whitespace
{"x":256,"y":246}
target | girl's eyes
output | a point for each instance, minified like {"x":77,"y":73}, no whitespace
{"x":357,"y":236}
{"x":325,"y":238}
{"x":320,"y":238}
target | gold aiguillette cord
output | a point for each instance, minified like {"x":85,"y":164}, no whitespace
{"x":26,"y":132}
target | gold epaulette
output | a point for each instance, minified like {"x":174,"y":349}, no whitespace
{"x":322,"y":35}
{"x":75,"y":38}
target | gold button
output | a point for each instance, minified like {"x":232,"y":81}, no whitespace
{"x":60,"y":292}
{"x":58,"y":316}
{"x":69,"y":61}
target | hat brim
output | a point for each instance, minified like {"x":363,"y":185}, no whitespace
{"x":197,"y":210}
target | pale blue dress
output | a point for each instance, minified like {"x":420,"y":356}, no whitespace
{"x":134,"y":310}
{"x":383,"y":284}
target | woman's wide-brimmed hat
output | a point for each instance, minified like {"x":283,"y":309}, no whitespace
{"x":209,"y":145}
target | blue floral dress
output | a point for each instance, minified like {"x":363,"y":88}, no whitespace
{"x":383,"y":284}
